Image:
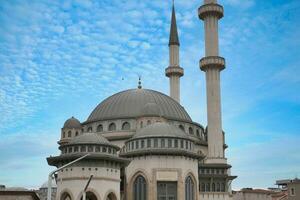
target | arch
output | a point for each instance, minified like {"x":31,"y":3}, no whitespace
{"x":189,"y":189}
{"x":190,"y":174}
{"x":90,"y":129}
{"x":76,"y":134}
{"x":66,"y":195}
{"x":148,"y":122}
{"x":141,"y":124}
{"x":112,"y":127}
{"x":110,"y":195}
{"x":91,"y":194}
{"x":100,"y":128}
{"x":126,"y":126}
{"x":181,"y":127}
{"x":191,"y":131}
{"x":197,"y":133}
{"x":136,"y":174}
{"x":69,"y":134}
{"x":64,"y":134}
{"x":140,"y":188}
{"x":213,"y":187}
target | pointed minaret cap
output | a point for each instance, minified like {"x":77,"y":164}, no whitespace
{"x":173,"y":31}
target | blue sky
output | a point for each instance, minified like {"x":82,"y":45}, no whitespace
{"x":61,"y":58}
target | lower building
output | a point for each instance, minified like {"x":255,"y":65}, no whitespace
{"x":17,"y":193}
{"x":253,"y":194}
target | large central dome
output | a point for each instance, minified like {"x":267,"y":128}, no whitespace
{"x":132,"y":103}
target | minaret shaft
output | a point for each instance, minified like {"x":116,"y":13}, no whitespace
{"x":212,"y":64}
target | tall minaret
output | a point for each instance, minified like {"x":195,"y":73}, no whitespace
{"x":212,"y":64}
{"x":174,"y":71}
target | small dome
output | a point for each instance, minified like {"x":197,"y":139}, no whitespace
{"x":151,"y":109}
{"x":72,"y":123}
{"x":45,"y":185}
{"x":161,"y":129}
{"x":89,"y":138}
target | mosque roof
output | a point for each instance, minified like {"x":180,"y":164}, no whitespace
{"x":136,"y":103}
{"x":72,"y":123}
{"x":160,"y":129}
{"x":89,"y":138}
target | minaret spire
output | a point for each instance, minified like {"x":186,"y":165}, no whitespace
{"x":174,"y":71}
{"x":173,"y":30}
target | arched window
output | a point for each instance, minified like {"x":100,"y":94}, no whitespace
{"x":112,"y":127}
{"x":140,"y":188}
{"x":223,"y":187}
{"x":100,"y":128}
{"x":197,"y":132}
{"x":202,"y":187}
{"x":213,"y":187}
{"x":181,"y":127}
{"x":207,"y":188}
{"x":126,"y":126}
{"x":218,"y":187}
{"x":90,"y":129}
{"x":76,"y":134}
{"x":64,"y":134}
{"x":111,"y":196}
{"x":191,"y":131}
{"x":65,"y":196}
{"x":148,"y":122}
{"x":189,"y":189}
{"x":69,"y":134}
{"x":90,"y":196}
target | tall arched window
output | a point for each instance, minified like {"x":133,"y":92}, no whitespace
{"x":223,"y":187}
{"x":181,"y":127}
{"x":202,"y":187}
{"x":100,"y":128}
{"x":198,"y":133}
{"x":112,"y":127}
{"x":207,"y":188}
{"x":218,"y":187}
{"x":189,"y":189}
{"x":191,"y":131}
{"x":126,"y":126}
{"x":69,"y":134}
{"x":140,"y":188}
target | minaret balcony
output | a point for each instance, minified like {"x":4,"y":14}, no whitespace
{"x":212,"y":62}
{"x":211,"y":9}
{"x":177,"y":71}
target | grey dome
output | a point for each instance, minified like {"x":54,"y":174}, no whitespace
{"x":130,"y":104}
{"x":160,"y":129}
{"x":151,"y":109}
{"x":89,"y":138}
{"x":72,"y":123}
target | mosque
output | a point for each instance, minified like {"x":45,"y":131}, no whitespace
{"x":143,"y":145}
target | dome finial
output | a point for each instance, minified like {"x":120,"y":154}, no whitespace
{"x":140,"y":83}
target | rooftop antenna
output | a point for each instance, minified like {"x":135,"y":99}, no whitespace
{"x":140,"y":82}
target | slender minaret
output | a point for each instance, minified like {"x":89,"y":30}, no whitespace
{"x":212,"y":64}
{"x":174,"y":71}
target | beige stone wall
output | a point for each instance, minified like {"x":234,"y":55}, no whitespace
{"x":162,"y":168}
{"x":105,"y":180}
